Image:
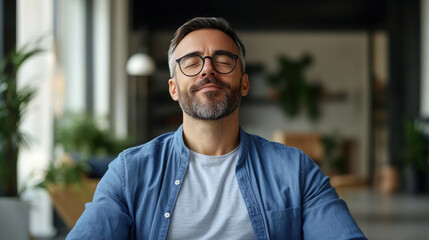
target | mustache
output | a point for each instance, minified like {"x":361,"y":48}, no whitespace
{"x":208,"y":80}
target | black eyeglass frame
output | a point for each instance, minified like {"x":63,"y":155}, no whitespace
{"x":235,"y":57}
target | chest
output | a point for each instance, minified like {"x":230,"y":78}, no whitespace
{"x":210,"y":205}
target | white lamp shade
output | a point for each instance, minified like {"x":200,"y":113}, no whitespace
{"x":140,"y":64}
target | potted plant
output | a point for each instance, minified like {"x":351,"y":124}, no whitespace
{"x":416,"y":156}
{"x":88,"y":149}
{"x":294,"y":90}
{"x":334,"y":157}
{"x":14,"y":100}
{"x":82,"y":136}
{"x":83,"y":133}
{"x":13,"y":103}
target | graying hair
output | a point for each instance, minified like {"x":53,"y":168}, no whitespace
{"x":204,"y":23}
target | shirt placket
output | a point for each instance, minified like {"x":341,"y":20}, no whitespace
{"x":251,"y":204}
{"x":173,"y":194}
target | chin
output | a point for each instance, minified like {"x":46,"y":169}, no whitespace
{"x":211,"y":95}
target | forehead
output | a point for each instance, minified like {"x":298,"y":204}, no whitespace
{"x":206,"y":41}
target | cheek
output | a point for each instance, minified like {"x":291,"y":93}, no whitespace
{"x":182,"y":87}
{"x":236,"y":82}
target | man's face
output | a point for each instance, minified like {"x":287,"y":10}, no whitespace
{"x":209,"y":95}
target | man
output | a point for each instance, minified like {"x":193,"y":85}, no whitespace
{"x":210,"y":179}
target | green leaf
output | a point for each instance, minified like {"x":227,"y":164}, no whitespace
{"x":13,"y":103}
{"x":295,"y":91}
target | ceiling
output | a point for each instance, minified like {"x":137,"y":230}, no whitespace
{"x":264,"y":15}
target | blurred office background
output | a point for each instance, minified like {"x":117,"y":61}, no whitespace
{"x":360,"y":108}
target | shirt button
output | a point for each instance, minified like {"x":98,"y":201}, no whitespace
{"x":177,"y":182}
{"x":167,"y":215}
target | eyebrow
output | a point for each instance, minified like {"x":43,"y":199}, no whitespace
{"x":199,"y":52}
{"x":194,"y":52}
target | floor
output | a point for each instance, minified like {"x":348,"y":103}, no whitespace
{"x":397,"y":216}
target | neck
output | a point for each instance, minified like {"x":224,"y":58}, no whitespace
{"x":211,"y":137}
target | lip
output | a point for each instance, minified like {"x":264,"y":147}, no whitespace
{"x":210,"y":87}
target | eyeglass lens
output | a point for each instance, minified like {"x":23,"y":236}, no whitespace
{"x":193,"y":64}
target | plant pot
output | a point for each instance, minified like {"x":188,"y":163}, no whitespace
{"x":388,"y":179}
{"x":416,"y":181}
{"x":14,"y":218}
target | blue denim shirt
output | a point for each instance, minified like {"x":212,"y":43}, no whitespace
{"x":286,"y":194}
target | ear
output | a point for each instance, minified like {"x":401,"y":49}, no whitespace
{"x":245,"y":85}
{"x":172,"y":88}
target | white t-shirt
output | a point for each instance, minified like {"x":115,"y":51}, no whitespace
{"x":210,"y":205}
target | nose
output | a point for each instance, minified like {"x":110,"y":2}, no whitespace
{"x":208,"y":68}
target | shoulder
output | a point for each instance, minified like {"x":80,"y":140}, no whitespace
{"x":273,"y":148}
{"x":276,"y":156}
{"x":155,"y":144}
{"x":146,"y":154}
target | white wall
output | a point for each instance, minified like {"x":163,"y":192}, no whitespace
{"x":101,"y":43}
{"x":119,"y":51}
{"x":71,"y":50}
{"x":34,"y":20}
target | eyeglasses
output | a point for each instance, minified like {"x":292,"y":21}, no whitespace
{"x":192,"y":64}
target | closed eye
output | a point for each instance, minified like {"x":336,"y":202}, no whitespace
{"x":192,"y":65}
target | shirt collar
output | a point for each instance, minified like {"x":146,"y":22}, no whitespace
{"x":184,"y":151}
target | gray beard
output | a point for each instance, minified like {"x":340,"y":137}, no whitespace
{"x":213,"y":109}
